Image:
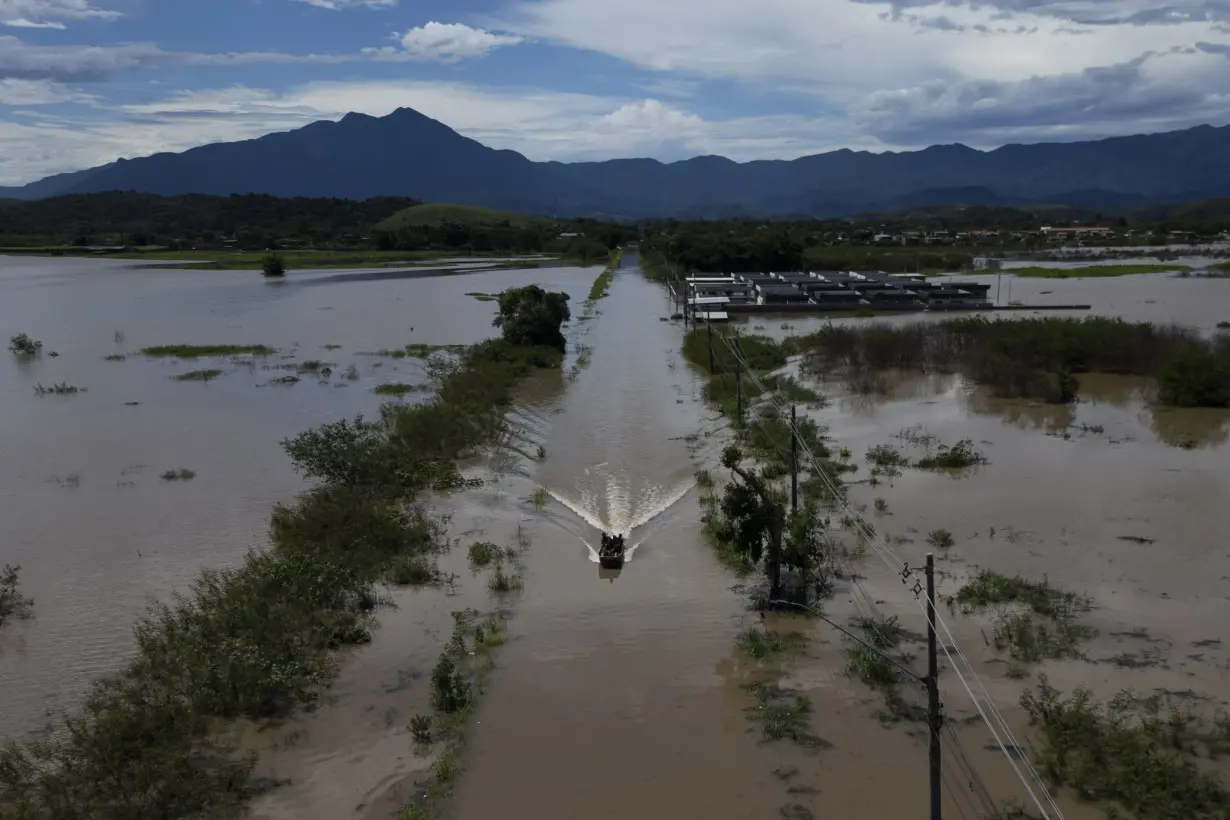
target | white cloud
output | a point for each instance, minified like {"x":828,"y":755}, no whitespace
{"x":87,"y":64}
{"x":40,"y":92}
{"x":338,"y":5}
{"x":447,"y":43}
{"x":915,"y":71}
{"x":49,"y":13}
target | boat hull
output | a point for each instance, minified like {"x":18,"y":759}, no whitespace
{"x":611,"y":561}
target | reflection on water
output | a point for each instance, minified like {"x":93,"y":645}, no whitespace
{"x":96,"y":531}
{"x":1202,"y":427}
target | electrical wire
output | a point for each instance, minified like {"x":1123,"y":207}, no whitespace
{"x":892,"y":560}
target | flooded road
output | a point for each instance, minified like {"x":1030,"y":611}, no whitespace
{"x":94,"y":528}
{"x":614,"y":697}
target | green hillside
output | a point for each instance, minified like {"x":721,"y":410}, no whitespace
{"x":431,"y":215}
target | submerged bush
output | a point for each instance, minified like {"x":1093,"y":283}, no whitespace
{"x":1032,"y":358}
{"x":1144,"y":756}
{"x":12,"y":603}
{"x":23,"y":345}
{"x":1196,"y":376}
{"x":255,"y":641}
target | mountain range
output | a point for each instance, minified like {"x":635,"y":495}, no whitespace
{"x":409,"y":154}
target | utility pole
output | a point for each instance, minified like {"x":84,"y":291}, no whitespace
{"x":794,"y":461}
{"x":934,"y":718}
{"x":709,"y":332}
{"x":739,"y":377}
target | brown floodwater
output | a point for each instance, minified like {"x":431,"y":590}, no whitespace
{"x":95,"y":530}
{"x":618,"y":695}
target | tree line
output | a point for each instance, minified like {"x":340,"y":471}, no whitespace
{"x":261,"y":222}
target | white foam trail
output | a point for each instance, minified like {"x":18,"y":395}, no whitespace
{"x":580,"y":509}
{"x":623,"y":512}
{"x":660,"y":503}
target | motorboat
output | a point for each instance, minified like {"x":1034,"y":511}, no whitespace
{"x":611,"y":555}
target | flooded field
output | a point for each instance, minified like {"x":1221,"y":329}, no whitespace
{"x":618,"y":694}
{"x":95,"y":529}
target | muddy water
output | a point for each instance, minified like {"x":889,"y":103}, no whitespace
{"x":86,"y":516}
{"x":615,"y":697}
{"x":1093,"y":498}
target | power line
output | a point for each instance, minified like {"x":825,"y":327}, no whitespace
{"x":894,"y":561}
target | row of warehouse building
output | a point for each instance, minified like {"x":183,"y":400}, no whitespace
{"x":833,"y":290}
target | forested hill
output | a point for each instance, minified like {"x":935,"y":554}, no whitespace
{"x":407,"y":154}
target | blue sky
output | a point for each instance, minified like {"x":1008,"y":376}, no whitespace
{"x":84,"y":82}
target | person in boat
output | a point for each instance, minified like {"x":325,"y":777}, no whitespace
{"x":612,"y":544}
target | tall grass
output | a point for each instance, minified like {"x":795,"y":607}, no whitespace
{"x":201,"y":351}
{"x":1035,"y":358}
{"x":259,"y":640}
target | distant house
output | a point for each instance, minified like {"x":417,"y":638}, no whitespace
{"x":1073,"y":233}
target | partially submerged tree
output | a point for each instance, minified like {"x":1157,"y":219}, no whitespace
{"x":273,"y":266}
{"x":755,"y":523}
{"x":531,"y":316}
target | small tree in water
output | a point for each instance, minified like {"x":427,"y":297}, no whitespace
{"x":273,"y":266}
{"x":531,"y":316}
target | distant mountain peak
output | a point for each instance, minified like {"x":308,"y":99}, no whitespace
{"x":407,"y":153}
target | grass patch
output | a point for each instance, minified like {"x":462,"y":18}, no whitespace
{"x":940,"y":539}
{"x":1034,"y":621}
{"x":868,"y":662}
{"x":205,"y":351}
{"x":394,"y":389}
{"x":412,"y":570}
{"x":483,"y":297}
{"x":1146,"y":758}
{"x":602,"y":285}
{"x":181,"y":474}
{"x":781,"y":715}
{"x":456,"y":684}
{"x":761,"y":644}
{"x":115,"y":357}
{"x":1093,"y":271}
{"x":502,"y":582}
{"x":59,"y":389}
{"x":959,"y":456}
{"x":13,"y":605}
{"x":483,"y":553}
{"x":198,"y":376}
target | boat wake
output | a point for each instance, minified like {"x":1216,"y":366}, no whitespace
{"x":620,"y":508}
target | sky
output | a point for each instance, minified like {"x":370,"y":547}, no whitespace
{"x":83,"y":82}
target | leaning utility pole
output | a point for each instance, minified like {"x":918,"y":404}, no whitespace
{"x":709,"y":332}
{"x":934,"y":718}
{"x":794,"y":460}
{"x":739,"y":378}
